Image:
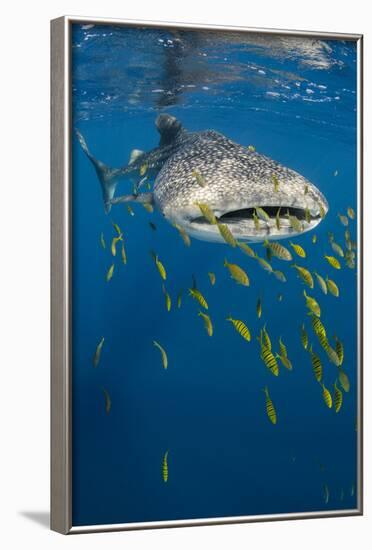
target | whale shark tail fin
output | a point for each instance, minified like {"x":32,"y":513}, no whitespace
{"x":106,"y":175}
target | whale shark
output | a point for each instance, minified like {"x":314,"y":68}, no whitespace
{"x":190,"y":169}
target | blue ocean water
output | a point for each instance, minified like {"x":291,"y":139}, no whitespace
{"x":294,"y":99}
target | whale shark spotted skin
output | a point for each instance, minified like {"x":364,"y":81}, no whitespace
{"x":235,"y":180}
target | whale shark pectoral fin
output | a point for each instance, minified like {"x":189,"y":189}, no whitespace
{"x":108,"y":177}
{"x":142,"y":198}
{"x":135,"y":154}
{"x":169,"y":128}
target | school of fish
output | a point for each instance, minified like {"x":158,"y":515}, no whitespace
{"x":323,"y":350}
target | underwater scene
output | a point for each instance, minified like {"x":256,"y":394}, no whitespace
{"x":214,"y":274}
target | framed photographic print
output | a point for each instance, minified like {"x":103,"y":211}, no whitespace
{"x":206,"y":275}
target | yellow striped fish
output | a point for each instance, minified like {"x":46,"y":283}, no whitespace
{"x":207,"y":213}
{"x":251,"y":148}
{"x":350,"y":259}
{"x":160,"y":267}
{"x":247,"y":249}
{"x":275,"y":182}
{"x":327,"y":398}
{"x":264,"y":264}
{"x":113,"y":245}
{"x":279,"y":275}
{"x":337,"y":398}
{"x":333,"y":261}
{"x":350,"y":213}
{"x":97,"y":354}
{"x":207,"y":323}
{"x":102,"y":241}
{"x":269,"y":360}
{"x":259,"y":308}
{"x":130,"y":210}
{"x":348,"y":242}
{"x":226,"y":234}
{"x":164,"y":356}
{"x":240,"y":327}
{"x":305,"y":275}
{"x":332,"y":287}
{"x":270,"y":409}
{"x":298,"y":249}
{"x":114,"y":242}
{"x":107,"y":400}
{"x":123,"y":254}
{"x":198,"y":296}
{"x":321,"y":282}
{"x":179,"y":299}
{"x":265,"y":338}
{"x":304,"y":337}
{"x":337,"y":248}
{"x":184,"y":236}
{"x":199,"y":178}
{"x":344,"y":380}
{"x":148,"y":207}
{"x":320,"y":332}
{"x":332,"y":356}
{"x":117,"y":229}
{"x":237,"y":273}
{"x":314,"y":239}
{"x":343,"y":219}
{"x":282,"y":348}
{"x":168,"y":301}
{"x":278,"y":250}
{"x":339,"y":350}
{"x":256,"y":221}
{"x":317,"y":365}
{"x":212,"y":278}
{"x":312,"y":304}
{"x":164,"y":467}
{"x":143,"y":169}
{"x":110,"y":273}
{"x":277,"y":220}
{"x":262,"y":214}
{"x":285,"y":361}
{"x":295,"y":224}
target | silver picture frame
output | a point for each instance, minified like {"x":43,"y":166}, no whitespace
{"x":61,"y":303}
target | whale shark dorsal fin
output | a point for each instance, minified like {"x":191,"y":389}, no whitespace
{"x":134,"y":155}
{"x":169,"y":128}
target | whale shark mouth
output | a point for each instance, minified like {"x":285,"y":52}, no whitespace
{"x":246,"y":225}
{"x":237,"y":216}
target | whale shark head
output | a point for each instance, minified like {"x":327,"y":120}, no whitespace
{"x":257,"y":198}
